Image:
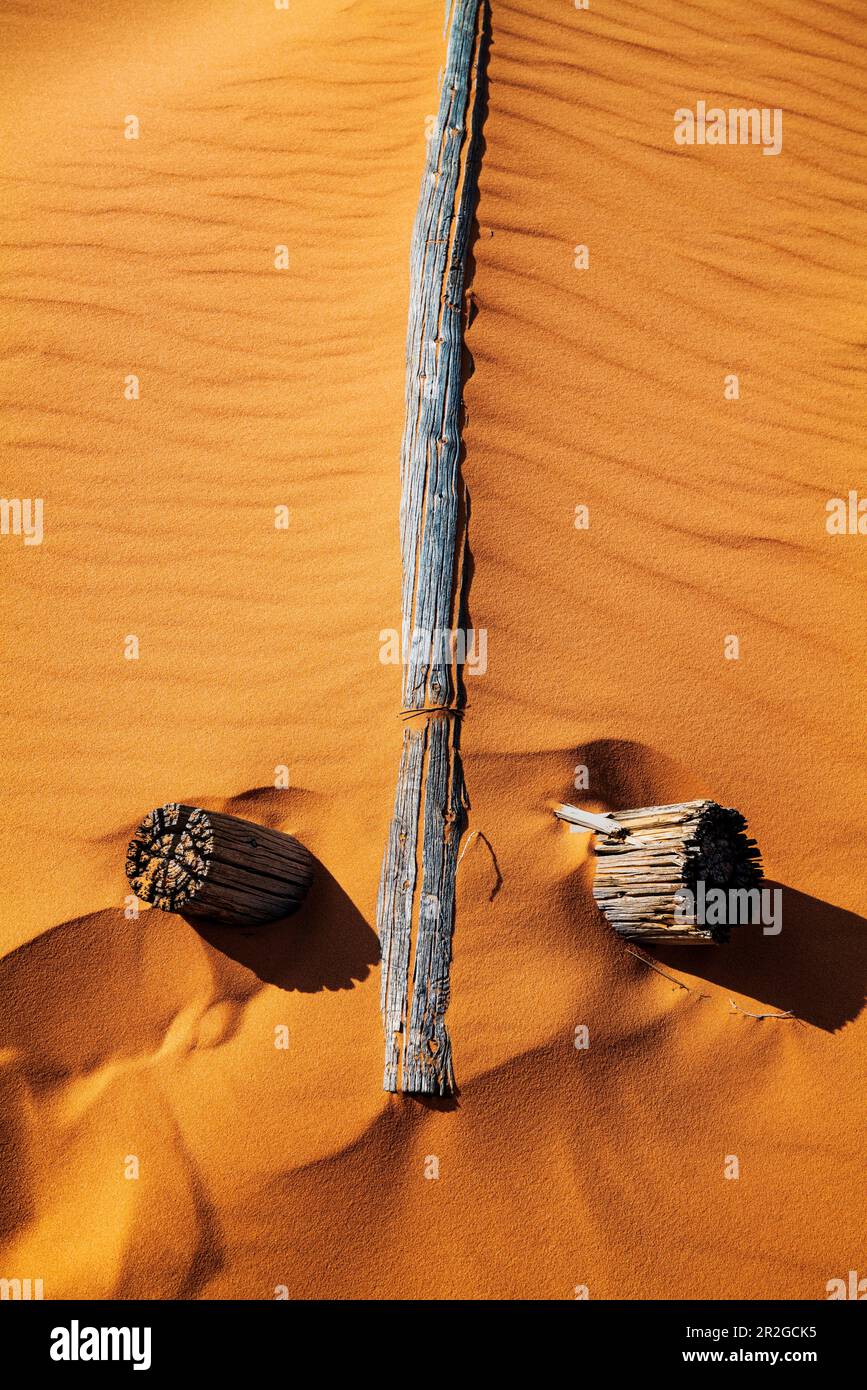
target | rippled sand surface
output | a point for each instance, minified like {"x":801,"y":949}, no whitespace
{"x":264,"y":1167}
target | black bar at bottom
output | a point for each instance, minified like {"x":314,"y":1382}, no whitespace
{"x":67,"y":1338}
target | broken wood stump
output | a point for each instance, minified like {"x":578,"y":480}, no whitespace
{"x":209,"y":865}
{"x":657,"y":866}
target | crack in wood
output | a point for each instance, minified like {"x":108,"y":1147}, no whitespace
{"x":210,"y":865}
{"x":418,"y":1052}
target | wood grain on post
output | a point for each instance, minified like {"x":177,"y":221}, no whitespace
{"x":645,"y":858}
{"x":213,"y":866}
{"x":415,"y":909}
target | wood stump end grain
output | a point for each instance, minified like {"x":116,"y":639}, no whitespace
{"x":209,"y":865}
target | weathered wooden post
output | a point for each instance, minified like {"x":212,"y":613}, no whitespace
{"x":655,"y":866}
{"x":418,"y":1052}
{"x":209,"y":865}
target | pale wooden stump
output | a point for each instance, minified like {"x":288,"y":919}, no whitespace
{"x":646,"y":857}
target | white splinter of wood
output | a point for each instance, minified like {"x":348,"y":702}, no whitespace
{"x":415,"y":920}
{"x":579,"y":819}
{"x":588,"y":820}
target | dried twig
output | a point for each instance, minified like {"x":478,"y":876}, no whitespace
{"x":787,"y":1014}
{"x":664,"y":973}
{"x":479,"y":837}
{"x":471,"y":839}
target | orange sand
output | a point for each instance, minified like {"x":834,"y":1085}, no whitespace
{"x":262,"y":1167}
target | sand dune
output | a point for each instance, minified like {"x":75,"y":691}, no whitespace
{"x":261,"y":1167}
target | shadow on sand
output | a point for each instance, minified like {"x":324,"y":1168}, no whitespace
{"x":326,"y":944}
{"x":816,"y":966}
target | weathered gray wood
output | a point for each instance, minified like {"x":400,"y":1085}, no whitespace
{"x":587,"y":820}
{"x":396,"y":896}
{"x":418,"y":1054}
{"x":637,"y":879}
{"x":209,"y":865}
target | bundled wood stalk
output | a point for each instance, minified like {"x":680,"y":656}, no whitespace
{"x":415,"y":911}
{"x":646,"y":858}
{"x":208,"y":865}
